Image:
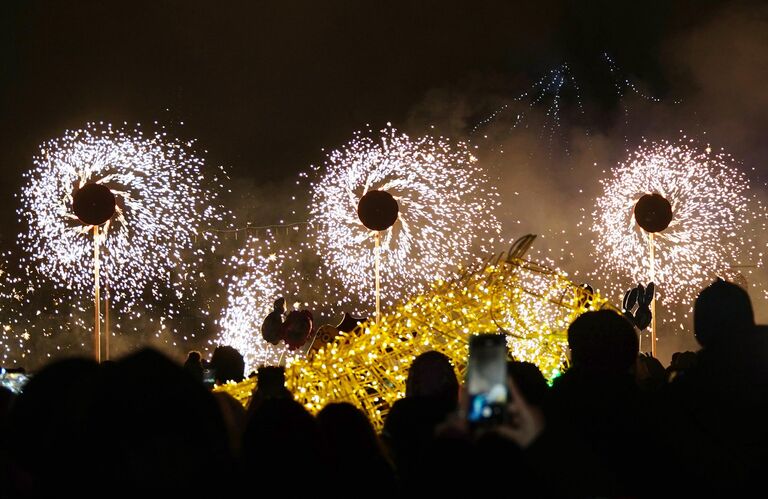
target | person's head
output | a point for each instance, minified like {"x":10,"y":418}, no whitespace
{"x":348,"y":431}
{"x":432,"y":376}
{"x":270,"y":384}
{"x":228,"y":364}
{"x":271,"y":381}
{"x":649,"y":373}
{"x":721,"y":311}
{"x":682,"y":362}
{"x":528,"y":378}
{"x":603,"y":340}
{"x":158,"y":407}
{"x":194,"y":357}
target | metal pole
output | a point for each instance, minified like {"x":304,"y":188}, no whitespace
{"x":106,"y":320}
{"x":652,"y":249}
{"x":377,"y":257}
{"x":96,"y":300}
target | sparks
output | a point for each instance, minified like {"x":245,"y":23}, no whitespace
{"x":253,"y":284}
{"x":161,"y":202}
{"x":712,"y":232}
{"x":446,"y":206}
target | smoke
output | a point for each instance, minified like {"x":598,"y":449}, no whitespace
{"x":548,"y":171}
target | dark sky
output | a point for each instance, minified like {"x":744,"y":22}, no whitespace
{"x":264,"y":85}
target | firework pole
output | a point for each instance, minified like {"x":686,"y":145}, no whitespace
{"x":652,"y":250}
{"x":377,"y":258}
{"x":96,"y":300}
{"x":106,"y":320}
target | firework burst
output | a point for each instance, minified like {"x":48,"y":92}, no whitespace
{"x":253,"y":284}
{"x":714,"y":224}
{"x":445,"y":201}
{"x":161,"y":203}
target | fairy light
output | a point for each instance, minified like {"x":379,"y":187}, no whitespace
{"x":532,"y":303}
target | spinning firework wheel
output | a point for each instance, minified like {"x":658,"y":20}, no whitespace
{"x":425,"y":199}
{"x":676,"y":216}
{"x":142,"y":196}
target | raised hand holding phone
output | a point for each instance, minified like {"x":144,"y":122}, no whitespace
{"x":487,"y":380}
{"x":524,"y":422}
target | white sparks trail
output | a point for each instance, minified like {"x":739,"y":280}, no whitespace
{"x":148,"y":245}
{"x":446,"y":207}
{"x":714,"y":229}
{"x":253,"y":284}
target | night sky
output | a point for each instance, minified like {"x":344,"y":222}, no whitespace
{"x":264,"y":86}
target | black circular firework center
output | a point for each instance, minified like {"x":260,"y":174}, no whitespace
{"x":94,"y":204}
{"x":653,"y":212}
{"x":377,"y":210}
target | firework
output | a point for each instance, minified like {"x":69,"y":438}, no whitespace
{"x":446,"y":205}
{"x":161,"y":203}
{"x":253,"y":284}
{"x":713,"y":228}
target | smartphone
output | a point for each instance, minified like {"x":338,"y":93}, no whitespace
{"x":13,"y":381}
{"x":209,"y":377}
{"x":487,"y":379}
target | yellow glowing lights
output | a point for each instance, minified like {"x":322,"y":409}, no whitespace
{"x":531,"y":303}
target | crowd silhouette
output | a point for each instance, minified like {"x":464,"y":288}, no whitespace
{"x":616,"y":423}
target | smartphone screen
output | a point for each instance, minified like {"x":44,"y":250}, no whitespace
{"x":209,"y":377}
{"x":487,"y":379}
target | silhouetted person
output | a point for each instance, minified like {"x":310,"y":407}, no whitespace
{"x":596,"y":402}
{"x":531,"y":382}
{"x":650,"y":374}
{"x":194,"y":365}
{"x":7,"y":398}
{"x":681,"y":363}
{"x":235,"y":418}
{"x":717,"y":411}
{"x":228,"y":364}
{"x":497,"y":455}
{"x":283,"y":445}
{"x":270,"y":383}
{"x":161,"y":429}
{"x":355,"y":452}
{"x":431,"y":376}
{"x":722,"y":310}
{"x":53,"y":430}
{"x":431,"y":394}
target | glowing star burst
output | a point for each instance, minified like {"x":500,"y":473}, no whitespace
{"x":253,"y":285}
{"x":714,"y":220}
{"x":445,"y":207}
{"x":531,"y":303}
{"x":161,"y":203}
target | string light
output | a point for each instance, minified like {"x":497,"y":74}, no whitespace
{"x":532,"y":303}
